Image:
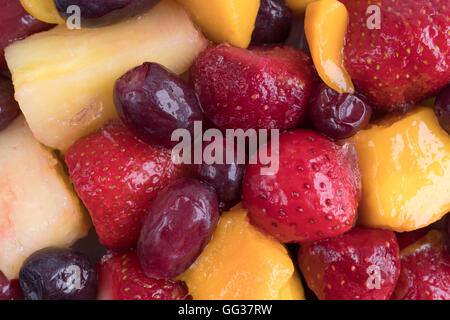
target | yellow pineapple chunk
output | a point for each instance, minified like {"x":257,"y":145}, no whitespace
{"x":64,"y":78}
{"x":38,"y":206}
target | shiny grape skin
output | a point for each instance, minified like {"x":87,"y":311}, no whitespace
{"x":442,"y":108}
{"x":9,"y":108}
{"x":273,"y":22}
{"x":58,"y":274}
{"x":338,"y":115}
{"x":106,"y":12}
{"x":179,"y":224}
{"x":16,"y":24}
{"x":225,"y":178}
{"x":154,"y":102}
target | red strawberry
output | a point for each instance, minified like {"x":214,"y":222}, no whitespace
{"x":407,"y":59}
{"x":117,"y":175}
{"x":425,"y":271}
{"x":120,"y":277}
{"x":314,"y":194}
{"x":407,"y":238}
{"x":260,"y":88}
{"x":363,"y":264}
{"x":10,"y":289}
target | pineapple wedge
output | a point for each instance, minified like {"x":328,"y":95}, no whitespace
{"x":38,"y":206}
{"x":64,"y":78}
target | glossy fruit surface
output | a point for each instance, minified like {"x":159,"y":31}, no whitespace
{"x":405,"y":164}
{"x":225,"y":21}
{"x":10,"y":289}
{"x":9,"y":109}
{"x":154,"y":103}
{"x":442,"y":108}
{"x":226,"y":178}
{"x":397,"y":52}
{"x":117,"y":176}
{"x":338,"y":115}
{"x":241,"y":263}
{"x":97,"y":14}
{"x":314,"y":193}
{"x":273,"y":22}
{"x":58,"y":274}
{"x":16,"y":24}
{"x":65,"y":95}
{"x":120,"y":277}
{"x":260,"y":88}
{"x":325,"y":26}
{"x":363,"y":264}
{"x":425,"y":270}
{"x":43,"y":10}
{"x":179,"y":224}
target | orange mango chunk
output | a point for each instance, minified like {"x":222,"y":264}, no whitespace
{"x":231,"y":21}
{"x":240,"y":262}
{"x":44,"y":10}
{"x":325,"y":27}
{"x":298,"y":7}
{"x":405,"y":169}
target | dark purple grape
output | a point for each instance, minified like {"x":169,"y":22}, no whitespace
{"x":154,"y":103}
{"x":273,"y":22}
{"x":447,"y":232}
{"x":338,"y":115}
{"x":58,"y":274}
{"x":9,"y":108}
{"x":179,"y":225}
{"x":442,"y":108}
{"x":100,"y":13}
{"x":225,"y":178}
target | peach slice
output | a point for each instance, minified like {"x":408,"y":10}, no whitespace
{"x":231,"y":21}
{"x":405,"y":170}
{"x":325,"y":27}
{"x":38,"y":206}
{"x":242,"y":263}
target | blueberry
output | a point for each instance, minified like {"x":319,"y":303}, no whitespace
{"x":58,"y":274}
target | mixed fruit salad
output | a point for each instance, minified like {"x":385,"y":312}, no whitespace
{"x":353,"y":204}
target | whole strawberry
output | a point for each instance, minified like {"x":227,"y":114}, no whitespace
{"x":313,"y":195}
{"x":403,"y":59}
{"x":259,"y":88}
{"x":120,"y":277}
{"x":362,"y":264}
{"x":117,"y":176}
{"x":425,"y":271}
